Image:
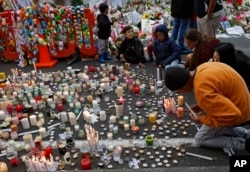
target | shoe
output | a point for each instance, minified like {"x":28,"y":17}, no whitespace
{"x":242,"y":132}
{"x":101,"y":58}
{"x":106,"y":56}
{"x":247,"y":145}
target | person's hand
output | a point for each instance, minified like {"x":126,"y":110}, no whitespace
{"x":196,"y":116}
{"x":196,"y":108}
{"x":141,"y":64}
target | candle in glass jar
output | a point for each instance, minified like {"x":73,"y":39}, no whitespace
{"x":15,"y":120}
{"x":132,"y":122}
{"x":2,"y":115}
{"x":110,"y":136}
{"x":152,"y":117}
{"x":48,"y":151}
{"x":60,"y":106}
{"x":180,"y":100}
{"x":72,"y":118}
{"x":64,"y":117}
{"x":85,"y":163}
{"x":119,"y":91}
{"x":33,"y":120}
{"x":103,"y":115}
{"x":14,"y":127}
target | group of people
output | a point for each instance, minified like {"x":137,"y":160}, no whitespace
{"x":218,"y":74}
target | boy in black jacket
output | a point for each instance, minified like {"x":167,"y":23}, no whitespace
{"x":104,"y":31}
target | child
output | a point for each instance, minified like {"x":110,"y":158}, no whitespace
{"x":166,"y":51}
{"x":131,"y":49}
{"x":104,"y":31}
{"x":151,"y":43}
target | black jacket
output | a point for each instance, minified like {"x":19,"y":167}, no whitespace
{"x":201,"y":7}
{"x":104,"y":26}
{"x":132,"y":49}
{"x":182,"y":8}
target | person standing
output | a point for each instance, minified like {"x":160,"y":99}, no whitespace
{"x":181,"y":11}
{"x":223,"y":103}
{"x":210,"y":13}
{"x":104,"y":31}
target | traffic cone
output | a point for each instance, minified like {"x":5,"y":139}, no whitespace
{"x":44,"y":58}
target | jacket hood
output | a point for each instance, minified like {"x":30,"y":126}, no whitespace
{"x":162,"y":28}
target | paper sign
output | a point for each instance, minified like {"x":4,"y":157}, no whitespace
{"x":24,"y":3}
{"x":235,"y":30}
{"x":146,"y":25}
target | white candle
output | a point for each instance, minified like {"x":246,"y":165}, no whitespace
{"x":152,"y":88}
{"x":33,"y":120}
{"x":112,"y":119}
{"x":42,"y":132}
{"x":126,"y":127}
{"x":76,"y":127}
{"x":103,"y":115}
{"x":102,"y":86}
{"x":25,"y":123}
{"x":88,"y":118}
{"x":72,"y":118}
{"x":159,"y":83}
{"x":2,"y":115}
{"x":132,"y":122}
{"x":78,"y":105}
{"x":119,"y":91}
{"x":106,"y":87}
{"x":64,"y":117}
{"x":110,"y":136}
{"x":95,"y":104}
{"x":84,"y":114}
{"x":115,"y":129}
{"x":33,"y":104}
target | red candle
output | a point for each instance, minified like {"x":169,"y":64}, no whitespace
{"x":14,"y":161}
{"x":60,"y":106}
{"x":19,"y":108}
{"x":48,"y":151}
{"x":136,"y":89}
{"x":86,"y":163}
{"x":92,"y":69}
{"x":180,"y":113}
{"x":9,"y":108}
{"x":38,"y":98}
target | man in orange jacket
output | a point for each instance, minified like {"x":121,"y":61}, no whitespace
{"x":223,"y":103}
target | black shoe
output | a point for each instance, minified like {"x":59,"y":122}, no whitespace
{"x":247,"y":145}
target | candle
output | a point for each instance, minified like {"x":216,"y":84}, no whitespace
{"x":72,"y":118}
{"x":180,"y":113}
{"x":13,"y":135}
{"x":135,"y":129}
{"x":132,"y":122}
{"x":33,"y":120}
{"x":64,"y":117}
{"x":2,"y":115}
{"x":38,"y":142}
{"x":76,"y":127}
{"x":28,"y":139}
{"x":60,"y":106}
{"x":78,"y":105}
{"x":117,"y":153}
{"x":14,"y":127}
{"x":14,"y":161}
{"x":112,"y":119}
{"x":25,"y":123}
{"x":5,"y":135}
{"x":62,"y":148}
{"x":3,"y":167}
{"x":102,"y":115}
{"x":110,"y":136}
{"x":88,"y":118}
{"x":159,"y":74}
{"x":126,"y":127}
{"x":42,"y":132}
{"x":119,"y":91}
{"x":48,"y":151}
{"x":115,"y":129}
{"x":149,"y":140}
{"x":85,"y":163}
{"x":152,"y":117}
{"x":15,"y":120}
{"x":180,"y":100}
{"x":95,"y":104}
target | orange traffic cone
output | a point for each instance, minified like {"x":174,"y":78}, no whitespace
{"x":44,"y":58}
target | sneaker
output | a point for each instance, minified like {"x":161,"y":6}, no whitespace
{"x":242,"y":132}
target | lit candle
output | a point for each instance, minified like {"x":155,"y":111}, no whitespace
{"x":180,"y":100}
{"x":25,"y":123}
{"x":33,"y":120}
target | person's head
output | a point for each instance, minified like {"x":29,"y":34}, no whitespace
{"x":178,"y":79}
{"x":104,"y":8}
{"x":128,"y":32}
{"x":161,"y":32}
{"x":192,"y":38}
{"x":225,"y":53}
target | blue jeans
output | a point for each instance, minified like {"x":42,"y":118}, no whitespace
{"x":174,"y":63}
{"x":179,"y":30}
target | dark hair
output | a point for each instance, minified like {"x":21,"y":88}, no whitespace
{"x":194,"y":35}
{"x":126,"y":28}
{"x":103,"y":7}
{"x":226,"y":52}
